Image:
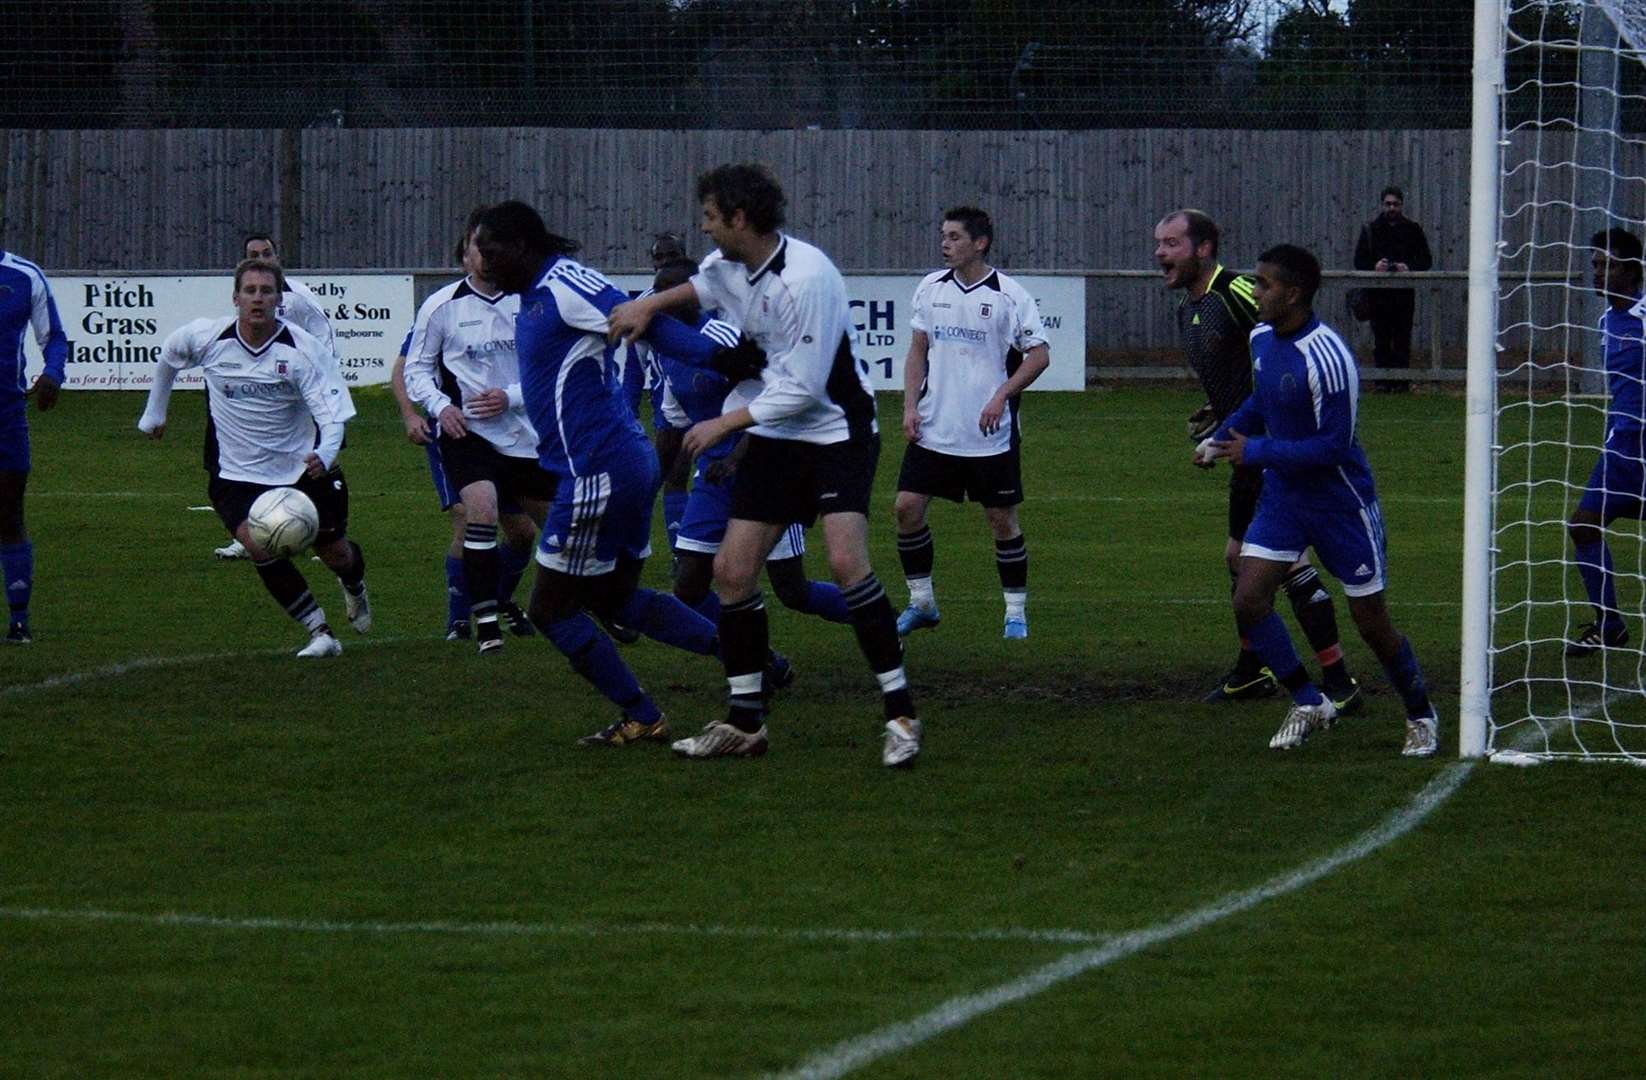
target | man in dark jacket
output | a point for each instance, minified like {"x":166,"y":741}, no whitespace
{"x":1392,"y":243}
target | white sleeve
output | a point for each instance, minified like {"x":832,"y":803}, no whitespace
{"x":154,"y":413}
{"x":1027,"y":333}
{"x":797,"y":377}
{"x":922,"y":299}
{"x":182,"y":349}
{"x":577,"y":310}
{"x":329,"y":403}
{"x":423,"y":357}
{"x":706,"y":283}
{"x":672,"y":412}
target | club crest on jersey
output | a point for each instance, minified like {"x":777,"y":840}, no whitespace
{"x":985,"y":310}
{"x":279,"y":367}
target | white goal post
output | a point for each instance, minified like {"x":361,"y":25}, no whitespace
{"x":1558,"y":155}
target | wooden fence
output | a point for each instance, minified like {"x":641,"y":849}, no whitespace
{"x":1071,"y":201}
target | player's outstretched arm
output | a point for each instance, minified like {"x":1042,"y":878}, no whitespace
{"x":1333,"y":443}
{"x":176,"y":353}
{"x":706,"y":434}
{"x":628,"y":320}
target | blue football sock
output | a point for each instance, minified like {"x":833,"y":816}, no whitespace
{"x":1408,"y":681}
{"x":674,"y":509}
{"x":457,"y":592}
{"x":17,"y":562}
{"x":824,"y":599}
{"x":663,"y":618}
{"x":594,"y":657}
{"x":1594,"y":565}
{"x":709,"y":607}
{"x":1273,"y":644}
{"x":512,"y":566}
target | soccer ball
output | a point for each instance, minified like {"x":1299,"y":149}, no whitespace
{"x":283,"y":521}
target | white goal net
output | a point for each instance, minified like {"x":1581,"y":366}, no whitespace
{"x":1566,"y":666}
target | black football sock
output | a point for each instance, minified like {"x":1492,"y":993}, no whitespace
{"x":285,"y":583}
{"x":480,"y":571}
{"x":355,"y":576}
{"x":1312,"y":606}
{"x":743,"y":650}
{"x":876,"y":626}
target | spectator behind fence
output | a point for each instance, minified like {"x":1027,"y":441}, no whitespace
{"x":1391,"y":243}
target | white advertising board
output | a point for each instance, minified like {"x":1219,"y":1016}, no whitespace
{"x":880,"y":317}
{"x":116,"y":325}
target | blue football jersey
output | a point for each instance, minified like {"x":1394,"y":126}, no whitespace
{"x":699,"y":391}
{"x":26,"y":303}
{"x":1625,"y":366}
{"x":570,"y":377}
{"x":1300,"y":419}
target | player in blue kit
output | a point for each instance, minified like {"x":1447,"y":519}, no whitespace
{"x":691,"y":395}
{"x":25,"y":302}
{"x":1299,"y":427}
{"x":1617,"y":484}
{"x":597,"y":534}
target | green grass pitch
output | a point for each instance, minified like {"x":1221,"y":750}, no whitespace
{"x":216,"y":860}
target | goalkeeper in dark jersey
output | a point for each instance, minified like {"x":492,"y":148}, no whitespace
{"x":1214,"y":320}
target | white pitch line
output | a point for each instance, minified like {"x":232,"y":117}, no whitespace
{"x":520,"y":929}
{"x":852,"y":1054}
{"x":145,"y":663}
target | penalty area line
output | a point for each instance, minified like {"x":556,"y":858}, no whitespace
{"x":855,"y":1053}
{"x":525,"y":930}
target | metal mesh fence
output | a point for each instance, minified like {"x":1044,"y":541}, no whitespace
{"x":736,"y":64}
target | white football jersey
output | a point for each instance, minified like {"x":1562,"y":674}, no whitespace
{"x":462,"y":346}
{"x":264,"y":402}
{"x":795,"y":307}
{"x":971,"y":333}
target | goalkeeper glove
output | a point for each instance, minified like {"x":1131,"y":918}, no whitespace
{"x":1203,"y":423}
{"x":745,"y":360}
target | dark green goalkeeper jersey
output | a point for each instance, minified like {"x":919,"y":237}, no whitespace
{"x":1216,"y":331}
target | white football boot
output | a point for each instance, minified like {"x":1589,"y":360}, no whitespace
{"x":234,"y":549}
{"x":1422,"y":736}
{"x":321,"y":644}
{"x":358,"y":609}
{"x":720,"y":739}
{"x":1301,"y":722}
{"x":902,"y":742}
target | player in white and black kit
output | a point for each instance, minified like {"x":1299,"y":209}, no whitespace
{"x":268,"y":390}
{"x":461,"y":367}
{"x":977,"y":344}
{"x":812,"y":447}
{"x":298,"y":307}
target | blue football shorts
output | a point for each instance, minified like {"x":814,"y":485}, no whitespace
{"x":596,"y":519}
{"x":1617,"y":483}
{"x":443,"y":489}
{"x":1348,"y":540}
